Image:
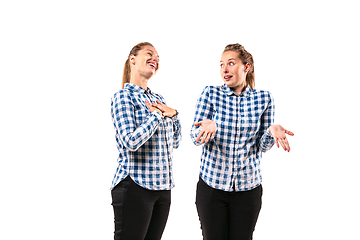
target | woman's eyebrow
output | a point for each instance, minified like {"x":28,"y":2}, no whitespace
{"x":228,"y":59}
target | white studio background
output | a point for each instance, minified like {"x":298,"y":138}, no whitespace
{"x":61,"y":61}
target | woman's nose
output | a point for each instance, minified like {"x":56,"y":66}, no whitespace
{"x":156,"y":59}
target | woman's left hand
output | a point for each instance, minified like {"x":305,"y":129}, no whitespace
{"x":279,"y":134}
{"x":166,"y":111}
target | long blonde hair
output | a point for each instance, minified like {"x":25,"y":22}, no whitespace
{"x":245,"y":57}
{"x":127,"y":70}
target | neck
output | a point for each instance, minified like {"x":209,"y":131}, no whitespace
{"x":139,"y":80}
{"x":239,"y":89}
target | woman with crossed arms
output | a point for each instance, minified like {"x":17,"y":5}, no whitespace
{"x":235,"y":124}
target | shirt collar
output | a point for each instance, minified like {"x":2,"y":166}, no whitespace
{"x":136,"y":88}
{"x":229,"y":92}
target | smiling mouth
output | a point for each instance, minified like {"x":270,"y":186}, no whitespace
{"x":153,"y":65}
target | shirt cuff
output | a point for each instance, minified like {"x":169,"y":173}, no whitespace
{"x":268,"y":133}
{"x":176,"y":116}
{"x":268,"y":139}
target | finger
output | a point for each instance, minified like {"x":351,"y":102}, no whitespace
{"x":204,"y":137}
{"x":289,"y":132}
{"x":277,"y":142}
{"x":208,"y":137}
{"x":160,"y":103}
{"x":148,"y":104}
{"x":158,"y":107}
{"x":198,"y":124}
{"x":287,"y":144}
{"x":283,"y":144}
{"x":199,"y":136}
{"x":213,"y":136}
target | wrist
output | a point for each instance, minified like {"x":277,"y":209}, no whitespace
{"x":157,"y":110}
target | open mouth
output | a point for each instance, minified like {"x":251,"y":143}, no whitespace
{"x":227,"y":77}
{"x":153,"y":65}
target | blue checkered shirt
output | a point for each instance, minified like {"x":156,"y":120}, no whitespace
{"x":231,"y":161}
{"x":145,"y":139}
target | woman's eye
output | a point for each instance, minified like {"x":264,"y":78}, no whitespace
{"x":221,"y":65}
{"x":231,"y":63}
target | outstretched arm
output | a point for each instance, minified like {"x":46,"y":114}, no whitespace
{"x":278,"y":132}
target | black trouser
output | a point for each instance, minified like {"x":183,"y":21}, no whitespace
{"x":227,"y":215}
{"x":139,"y":213}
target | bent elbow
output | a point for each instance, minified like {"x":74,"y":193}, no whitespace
{"x":132,"y":148}
{"x":131,"y":145}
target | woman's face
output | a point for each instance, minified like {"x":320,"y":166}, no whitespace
{"x":233,"y":71}
{"x":146,"y":62}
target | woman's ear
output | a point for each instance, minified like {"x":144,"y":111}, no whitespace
{"x":132,"y":59}
{"x":247,"y":67}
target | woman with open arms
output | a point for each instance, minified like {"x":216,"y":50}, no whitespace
{"x":235,"y":124}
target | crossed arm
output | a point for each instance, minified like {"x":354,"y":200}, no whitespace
{"x":164,"y":110}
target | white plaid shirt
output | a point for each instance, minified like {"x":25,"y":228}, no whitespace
{"x":231,"y":161}
{"x":144,"y":139}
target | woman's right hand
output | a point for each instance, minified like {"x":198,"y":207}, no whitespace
{"x":208,"y":130}
{"x":151,"y":108}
